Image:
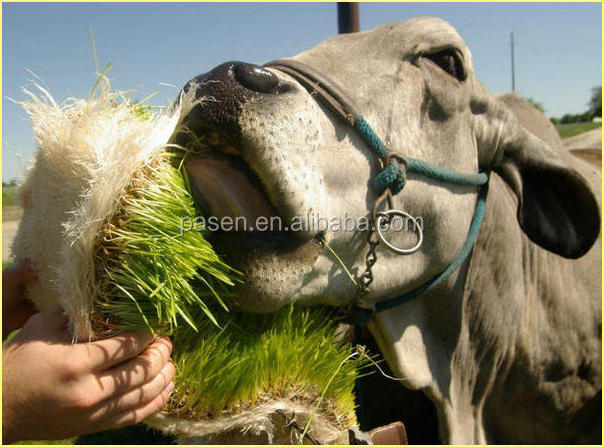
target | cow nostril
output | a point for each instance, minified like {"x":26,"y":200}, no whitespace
{"x":256,"y":78}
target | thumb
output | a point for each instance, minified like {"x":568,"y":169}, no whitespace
{"x":56,"y":323}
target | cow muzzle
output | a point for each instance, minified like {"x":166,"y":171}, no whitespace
{"x":223,"y":92}
{"x":222,"y":181}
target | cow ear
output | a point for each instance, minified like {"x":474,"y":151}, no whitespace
{"x":556,"y":206}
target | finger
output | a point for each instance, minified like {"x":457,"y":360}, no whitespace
{"x":104,"y":354}
{"x":14,"y":279}
{"x":138,"y":396}
{"x":136,"y":371}
{"x":18,"y":273}
{"x":16,"y":318}
{"x":136,"y":415}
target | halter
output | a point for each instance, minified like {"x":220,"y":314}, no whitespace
{"x":390,"y":181}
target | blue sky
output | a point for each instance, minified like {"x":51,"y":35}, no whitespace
{"x":558,"y":50}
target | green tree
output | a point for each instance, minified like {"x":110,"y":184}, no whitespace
{"x":595,"y":103}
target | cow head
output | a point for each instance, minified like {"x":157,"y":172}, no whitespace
{"x":270,"y":149}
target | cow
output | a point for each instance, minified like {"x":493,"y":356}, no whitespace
{"x":508,"y":347}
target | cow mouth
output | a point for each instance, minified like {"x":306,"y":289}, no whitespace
{"x":233,"y":200}
{"x":226,"y":189}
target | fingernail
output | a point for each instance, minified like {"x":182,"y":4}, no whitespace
{"x":169,"y":342}
{"x":167,"y":367}
{"x":170,"y":387}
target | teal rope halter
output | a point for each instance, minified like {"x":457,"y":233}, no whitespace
{"x":391,"y":180}
{"x":394,"y":176}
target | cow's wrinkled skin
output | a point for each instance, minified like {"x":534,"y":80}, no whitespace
{"x":509,"y":347}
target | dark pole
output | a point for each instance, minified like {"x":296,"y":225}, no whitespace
{"x":348,"y":17}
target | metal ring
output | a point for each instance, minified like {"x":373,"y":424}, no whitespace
{"x":388,"y":215}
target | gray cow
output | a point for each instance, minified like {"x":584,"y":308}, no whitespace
{"x":507,"y":348}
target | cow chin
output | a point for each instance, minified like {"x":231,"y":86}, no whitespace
{"x":273,"y":265}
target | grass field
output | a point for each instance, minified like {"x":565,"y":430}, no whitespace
{"x":572,"y":129}
{"x":10,"y":206}
{"x":9,"y":195}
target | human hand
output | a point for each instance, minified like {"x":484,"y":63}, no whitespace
{"x":53,"y":389}
{"x":16,"y":310}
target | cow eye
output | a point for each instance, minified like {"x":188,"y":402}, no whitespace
{"x":450,"y":61}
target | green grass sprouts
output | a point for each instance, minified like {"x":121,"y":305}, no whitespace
{"x":291,"y":354}
{"x":149,"y":274}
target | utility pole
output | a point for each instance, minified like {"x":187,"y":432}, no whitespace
{"x":513,"y":73}
{"x":348,"y":17}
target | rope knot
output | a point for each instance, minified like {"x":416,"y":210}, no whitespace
{"x":393,"y":176}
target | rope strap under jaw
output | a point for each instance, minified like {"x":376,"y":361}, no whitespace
{"x":360,"y":315}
